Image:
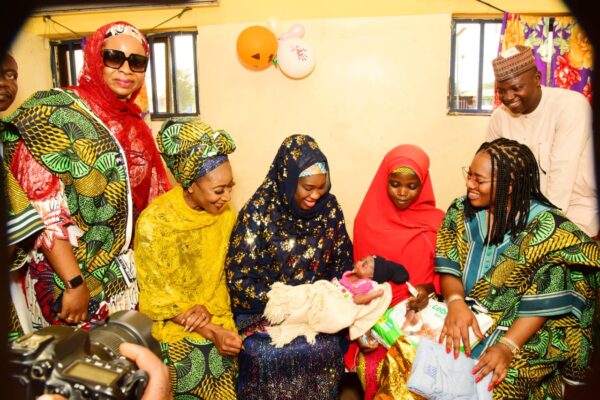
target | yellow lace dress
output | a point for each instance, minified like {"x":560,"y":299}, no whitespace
{"x":179,"y":255}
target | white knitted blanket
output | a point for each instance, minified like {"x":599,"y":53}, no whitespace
{"x":319,"y":307}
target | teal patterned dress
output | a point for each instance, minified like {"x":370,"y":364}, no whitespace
{"x":550,"y":269}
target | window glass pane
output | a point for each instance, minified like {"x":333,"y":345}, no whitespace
{"x":171,"y":78}
{"x":149,"y":91}
{"x":65,"y":52}
{"x":466,"y":67}
{"x":161,"y":78}
{"x":78,"y":54}
{"x":61,"y":57}
{"x":68,"y":66}
{"x":184,"y":75}
{"x":490,"y":51}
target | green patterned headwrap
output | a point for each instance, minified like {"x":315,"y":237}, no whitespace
{"x":192,"y":149}
{"x":404,"y":170}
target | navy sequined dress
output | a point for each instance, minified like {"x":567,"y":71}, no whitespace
{"x":276,"y":241}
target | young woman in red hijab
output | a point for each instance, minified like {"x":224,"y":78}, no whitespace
{"x":88,"y":164}
{"x":397,"y":220}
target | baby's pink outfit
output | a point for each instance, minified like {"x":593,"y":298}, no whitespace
{"x":350,"y":287}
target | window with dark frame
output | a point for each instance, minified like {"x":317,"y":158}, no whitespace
{"x":171,"y":78}
{"x":474,"y":45}
{"x":66,"y":60}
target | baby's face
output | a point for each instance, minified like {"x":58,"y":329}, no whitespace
{"x":365,"y":268}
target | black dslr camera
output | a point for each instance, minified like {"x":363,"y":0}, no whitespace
{"x":80,"y":364}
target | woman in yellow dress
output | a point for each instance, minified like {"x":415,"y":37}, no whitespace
{"x":181,"y":240}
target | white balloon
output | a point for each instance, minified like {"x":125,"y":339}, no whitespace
{"x":296,"y":30}
{"x":295,"y":57}
{"x":274,"y":24}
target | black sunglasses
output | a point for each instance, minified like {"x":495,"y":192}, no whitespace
{"x":116,"y":58}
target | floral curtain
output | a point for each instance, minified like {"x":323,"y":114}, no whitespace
{"x":563,"y":53}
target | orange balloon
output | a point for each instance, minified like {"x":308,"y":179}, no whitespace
{"x":256,"y":47}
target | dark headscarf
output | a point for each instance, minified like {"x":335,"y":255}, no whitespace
{"x":274,"y":240}
{"x":297,"y":153}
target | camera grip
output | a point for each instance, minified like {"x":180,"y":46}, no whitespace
{"x":139,"y":382}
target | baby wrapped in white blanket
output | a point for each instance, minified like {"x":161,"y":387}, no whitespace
{"x":355,"y":302}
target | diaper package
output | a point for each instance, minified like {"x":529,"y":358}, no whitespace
{"x":397,"y":321}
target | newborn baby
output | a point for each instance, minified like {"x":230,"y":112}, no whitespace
{"x":367,"y":272}
{"x":355,"y":301}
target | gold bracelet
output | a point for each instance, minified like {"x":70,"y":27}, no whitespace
{"x":512,"y":346}
{"x":453,"y":297}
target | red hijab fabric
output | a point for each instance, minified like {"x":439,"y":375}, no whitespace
{"x":147,"y":173}
{"x":403,"y":236}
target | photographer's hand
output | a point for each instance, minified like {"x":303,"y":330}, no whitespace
{"x":158,"y":387}
{"x":158,"y":384}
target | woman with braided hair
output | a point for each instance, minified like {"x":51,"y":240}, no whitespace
{"x":506,"y":247}
{"x":180,"y":245}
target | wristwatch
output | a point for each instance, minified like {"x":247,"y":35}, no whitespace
{"x":75,"y":282}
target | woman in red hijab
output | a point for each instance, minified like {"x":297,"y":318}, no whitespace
{"x":397,"y":220}
{"x":110,"y":89}
{"x":89,"y":165}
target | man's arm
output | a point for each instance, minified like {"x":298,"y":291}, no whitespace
{"x":572,"y":134}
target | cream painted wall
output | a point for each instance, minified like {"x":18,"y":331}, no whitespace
{"x":32,"y":53}
{"x":238,"y":11}
{"x":379,"y":82}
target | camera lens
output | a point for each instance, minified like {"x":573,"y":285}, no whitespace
{"x":121,"y":327}
{"x":38,"y":371}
